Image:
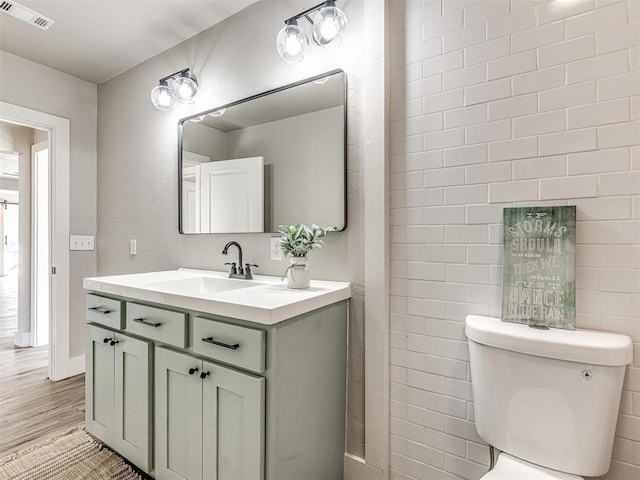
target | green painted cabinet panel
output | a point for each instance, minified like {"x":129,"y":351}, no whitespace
{"x":210,"y":420}
{"x":118,"y":393}
{"x":233,"y":424}
{"x":99,"y":383}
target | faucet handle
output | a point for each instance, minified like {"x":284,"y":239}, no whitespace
{"x":247,"y":269}
{"x":233,"y":267}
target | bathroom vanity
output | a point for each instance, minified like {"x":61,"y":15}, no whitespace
{"x":191,"y":375}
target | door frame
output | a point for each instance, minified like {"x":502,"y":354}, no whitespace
{"x":60,"y":365}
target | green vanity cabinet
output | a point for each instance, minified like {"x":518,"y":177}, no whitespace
{"x":118,"y":393}
{"x":216,"y":397}
{"x":209,"y":419}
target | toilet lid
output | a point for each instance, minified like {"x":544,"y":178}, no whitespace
{"x":510,"y":468}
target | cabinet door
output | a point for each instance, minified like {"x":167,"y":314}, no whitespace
{"x":233,"y":422}
{"x":178,"y":409}
{"x":99,"y":383}
{"x":133,"y":410}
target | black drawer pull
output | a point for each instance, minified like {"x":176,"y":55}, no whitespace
{"x":101,"y":310}
{"x":147,"y":323}
{"x":220,"y":344}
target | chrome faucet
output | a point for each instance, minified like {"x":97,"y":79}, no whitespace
{"x":238,"y":271}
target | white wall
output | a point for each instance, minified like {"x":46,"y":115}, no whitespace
{"x":498,"y":103}
{"x":43,"y":89}
{"x":137,"y":161}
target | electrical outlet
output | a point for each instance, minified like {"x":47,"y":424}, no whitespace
{"x":276,"y":249}
{"x":81,"y":242}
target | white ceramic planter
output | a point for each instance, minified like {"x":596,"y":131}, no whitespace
{"x":298,"y":273}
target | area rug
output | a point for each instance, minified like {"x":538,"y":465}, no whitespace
{"x":72,"y":455}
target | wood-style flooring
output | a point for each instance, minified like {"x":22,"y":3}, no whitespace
{"x":32,"y":407}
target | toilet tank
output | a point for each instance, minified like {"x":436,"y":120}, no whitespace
{"x":549,"y":397}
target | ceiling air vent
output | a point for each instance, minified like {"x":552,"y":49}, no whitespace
{"x":26,"y":14}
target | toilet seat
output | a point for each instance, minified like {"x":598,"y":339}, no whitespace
{"x":510,"y":468}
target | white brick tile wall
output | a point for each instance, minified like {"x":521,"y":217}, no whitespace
{"x":513,"y":149}
{"x":618,"y":135}
{"x":513,"y":191}
{"x":515,"y":22}
{"x":597,"y":20}
{"x":598,"y":114}
{"x":443,"y":101}
{"x":465,"y":116}
{"x":623,"y":37}
{"x":487,"y":91}
{"x":500,"y":103}
{"x":563,"y":97}
{"x":572,"y":141}
{"x":511,"y":65}
{"x":537,"y":37}
{"x":596,"y":67}
{"x":513,"y":107}
{"x":490,"y":173}
{"x":488,"y":132}
{"x":556,"y":10}
{"x":540,"y":123}
{"x":616,"y":87}
{"x":464,"y":38}
{"x":465,"y":155}
{"x":570,"y":187}
{"x":539,"y":167}
{"x":598,"y":162}
{"x":566,"y":52}
{"x":539,"y":80}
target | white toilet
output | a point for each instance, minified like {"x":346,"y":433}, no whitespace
{"x":547,"y":399}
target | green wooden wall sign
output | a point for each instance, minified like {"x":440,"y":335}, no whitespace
{"x":538,"y":266}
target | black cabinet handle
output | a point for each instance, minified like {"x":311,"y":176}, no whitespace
{"x":107,"y":340}
{"x":204,"y":375}
{"x":147,"y":323}
{"x":193,"y":370}
{"x":103,"y":311}
{"x":113,"y":342}
{"x":210,"y":340}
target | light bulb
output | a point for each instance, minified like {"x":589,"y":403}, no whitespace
{"x":163,"y":98}
{"x":292,"y":43}
{"x":218,"y":113}
{"x":328,"y":25}
{"x":185,"y":89}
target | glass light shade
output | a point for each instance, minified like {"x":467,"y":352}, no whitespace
{"x":185,"y":89}
{"x":292,"y":43}
{"x":163,"y":98}
{"x":328,"y":25}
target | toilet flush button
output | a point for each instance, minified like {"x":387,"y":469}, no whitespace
{"x":586,"y":374}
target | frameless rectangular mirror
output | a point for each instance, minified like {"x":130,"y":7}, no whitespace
{"x":277,"y":158}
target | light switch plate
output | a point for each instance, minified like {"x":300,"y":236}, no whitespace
{"x":276,"y":249}
{"x":81,"y":242}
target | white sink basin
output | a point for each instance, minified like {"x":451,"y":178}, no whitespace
{"x":200,"y":285}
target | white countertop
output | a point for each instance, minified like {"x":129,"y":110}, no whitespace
{"x":266,"y":303}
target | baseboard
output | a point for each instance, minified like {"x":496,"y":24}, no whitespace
{"x":76,"y":365}
{"x":356,"y":468}
{"x":22,"y":339}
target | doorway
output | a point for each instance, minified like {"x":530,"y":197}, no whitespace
{"x":51,"y":172}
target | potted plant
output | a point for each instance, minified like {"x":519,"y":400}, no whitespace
{"x":297,"y":241}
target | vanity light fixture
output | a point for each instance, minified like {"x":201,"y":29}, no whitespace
{"x":180,"y":86}
{"x":328,"y":24}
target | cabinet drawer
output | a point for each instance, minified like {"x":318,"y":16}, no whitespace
{"x":228,"y":343}
{"x":105,"y":311}
{"x":157,"y":324}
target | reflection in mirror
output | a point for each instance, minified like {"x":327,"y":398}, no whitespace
{"x":277,"y":158}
